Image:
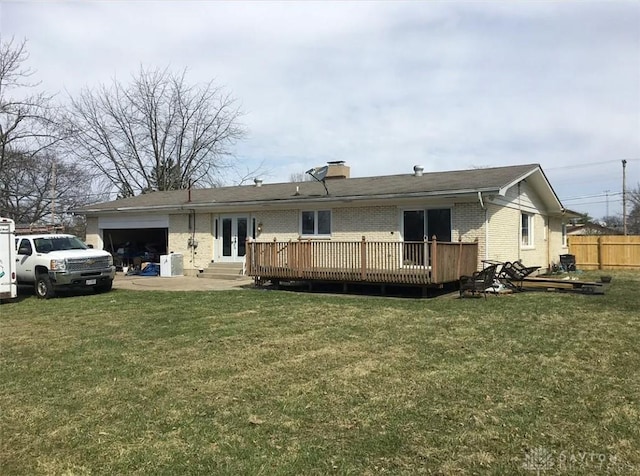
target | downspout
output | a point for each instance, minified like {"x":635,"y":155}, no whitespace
{"x":191,"y":222}
{"x":192,"y":239}
{"x":519,"y":239}
{"x":548,"y":224}
{"x":486,"y":226}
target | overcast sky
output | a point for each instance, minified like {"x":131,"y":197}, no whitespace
{"x":381,"y":85}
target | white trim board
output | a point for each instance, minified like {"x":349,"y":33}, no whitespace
{"x":133,"y":222}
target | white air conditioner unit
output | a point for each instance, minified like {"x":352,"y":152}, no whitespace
{"x":171,"y":265}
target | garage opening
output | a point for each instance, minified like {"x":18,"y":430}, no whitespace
{"x":132,"y":246}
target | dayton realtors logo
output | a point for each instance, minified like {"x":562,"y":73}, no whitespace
{"x":538,"y":459}
{"x":542,"y":459}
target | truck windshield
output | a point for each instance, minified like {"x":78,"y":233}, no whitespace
{"x":58,"y":243}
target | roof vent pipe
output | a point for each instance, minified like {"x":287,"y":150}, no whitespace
{"x":258,"y":182}
{"x":417,"y":170}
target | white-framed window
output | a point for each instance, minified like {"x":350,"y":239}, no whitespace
{"x":564,"y":234}
{"x":526,"y":230}
{"x":315,"y":223}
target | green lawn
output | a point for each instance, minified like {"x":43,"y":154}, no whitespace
{"x":274,"y":382}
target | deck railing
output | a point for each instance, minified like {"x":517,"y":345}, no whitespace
{"x":418,"y":263}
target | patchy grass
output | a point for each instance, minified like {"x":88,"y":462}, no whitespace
{"x":266,"y":382}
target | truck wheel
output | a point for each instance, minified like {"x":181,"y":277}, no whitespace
{"x":104,"y":287}
{"x":44,"y":288}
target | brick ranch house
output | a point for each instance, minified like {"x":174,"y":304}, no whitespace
{"x":511,"y":213}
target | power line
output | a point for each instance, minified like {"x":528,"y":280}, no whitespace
{"x":604,"y":194}
{"x":589,"y":164}
{"x":596,"y":202}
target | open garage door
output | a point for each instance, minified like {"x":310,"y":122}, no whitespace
{"x":135,"y":239}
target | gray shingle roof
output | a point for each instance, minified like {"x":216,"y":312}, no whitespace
{"x":435,"y":183}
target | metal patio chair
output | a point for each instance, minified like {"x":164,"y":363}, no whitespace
{"x":479,"y":282}
{"x":513,"y":273}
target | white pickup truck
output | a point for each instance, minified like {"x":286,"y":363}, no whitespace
{"x":51,"y":262}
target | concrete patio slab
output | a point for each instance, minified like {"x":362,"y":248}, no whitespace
{"x":179,"y":283}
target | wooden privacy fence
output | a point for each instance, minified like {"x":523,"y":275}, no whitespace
{"x":417,"y":263}
{"x":605,"y":251}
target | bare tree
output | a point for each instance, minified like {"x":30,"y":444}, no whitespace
{"x":633,"y":219}
{"x":612,"y":221}
{"x":634,"y":196}
{"x":242,"y":175}
{"x":300,"y":177}
{"x":44,"y":188}
{"x":156,"y":133}
{"x":27,"y":118}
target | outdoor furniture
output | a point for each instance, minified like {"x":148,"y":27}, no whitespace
{"x":568,"y":263}
{"x":513,"y":273}
{"x":479,"y":281}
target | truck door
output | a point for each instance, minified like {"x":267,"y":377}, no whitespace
{"x":24,"y":262}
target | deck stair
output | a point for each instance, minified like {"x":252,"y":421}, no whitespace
{"x":221,"y":270}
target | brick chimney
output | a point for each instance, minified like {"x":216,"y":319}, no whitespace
{"x":337,"y":170}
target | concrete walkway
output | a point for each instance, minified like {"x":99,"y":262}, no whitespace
{"x":179,"y":283}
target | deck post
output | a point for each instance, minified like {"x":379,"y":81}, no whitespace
{"x":425,"y":251}
{"x":274,"y":253}
{"x":293,"y":257}
{"x":434,"y":259}
{"x":363,"y":259}
{"x":300,"y":257}
{"x":247,"y":256}
{"x":459,"y":256}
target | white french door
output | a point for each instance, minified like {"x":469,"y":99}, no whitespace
{"x":232,"y":237}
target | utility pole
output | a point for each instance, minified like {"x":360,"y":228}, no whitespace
{"x":53,"y":196}
{"x":624,"y":197}
{"x":606,"y":194}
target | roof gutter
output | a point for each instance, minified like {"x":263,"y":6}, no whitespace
{"x":293,"y":201}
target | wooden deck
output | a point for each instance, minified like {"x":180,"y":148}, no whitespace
{"x":424,"y":263}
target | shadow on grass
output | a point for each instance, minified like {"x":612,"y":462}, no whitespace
{"x":366,"y":289}
{"x":26,"y":291}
